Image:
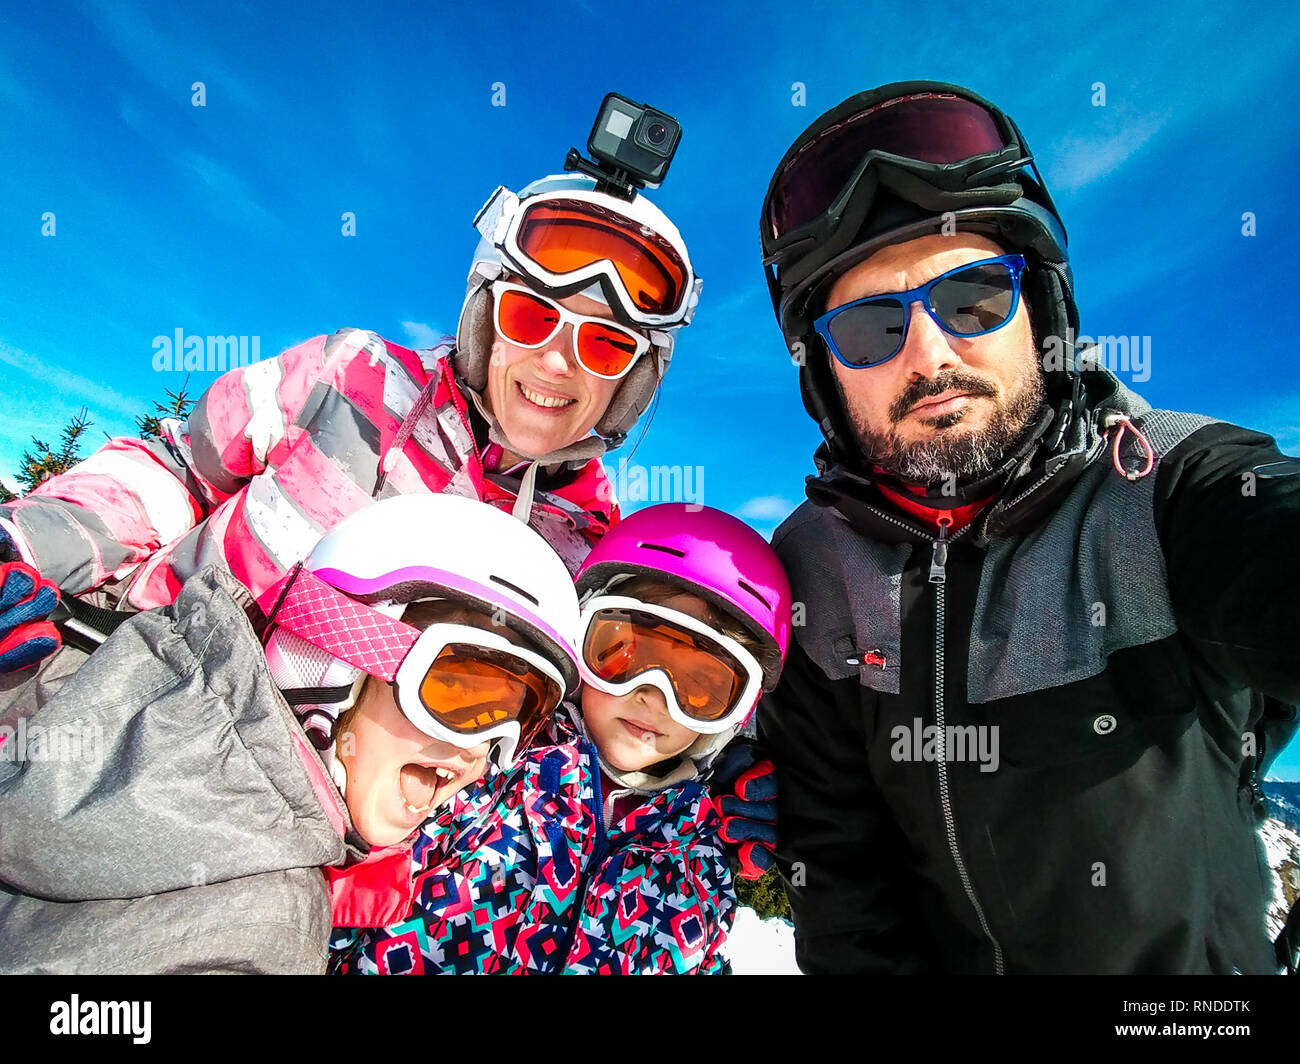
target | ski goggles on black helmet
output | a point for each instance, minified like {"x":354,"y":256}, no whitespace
{"x":935,"y":145}
{"x":941,"y":135}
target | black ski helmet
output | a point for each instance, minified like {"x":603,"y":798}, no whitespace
{"x":839,"y":194}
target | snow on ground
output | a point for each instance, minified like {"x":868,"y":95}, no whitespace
{"x":1283,"y":846}
{"x":766,"y":947}
{"x":761,"y":947}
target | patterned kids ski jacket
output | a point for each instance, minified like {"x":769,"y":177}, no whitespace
{"x":521,"y":875}
{"x":275,"y":454}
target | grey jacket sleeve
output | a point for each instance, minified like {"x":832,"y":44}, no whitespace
{"x":167,"y":768}
{"x":276,"y":923}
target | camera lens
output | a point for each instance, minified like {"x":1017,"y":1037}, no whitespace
{"x":657,"y":135}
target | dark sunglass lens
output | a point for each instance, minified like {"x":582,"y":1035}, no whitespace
{"x":975,"y":300}
{"x":869,"y":332}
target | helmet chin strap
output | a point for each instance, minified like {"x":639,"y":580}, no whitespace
{"x":523,"y":507}
{"x":339,"y":775}
{"x":320,"y":719}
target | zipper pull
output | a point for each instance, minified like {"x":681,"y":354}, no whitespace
{"x":940,"y":558}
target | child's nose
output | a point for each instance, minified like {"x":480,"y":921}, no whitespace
{"x":651,"y":697}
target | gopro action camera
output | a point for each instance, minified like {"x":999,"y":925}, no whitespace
{"x":635,"y":139}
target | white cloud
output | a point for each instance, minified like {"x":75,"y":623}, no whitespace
{"x":1284,"y":428}
{"x":1279,"y":417}
{"x":422,"y":336}
{"x":1082,"y":160}
{"x":227,"y":189}
{"x":174,"y":56}
{"x":766,"y":508}
{"x":43,"y":408}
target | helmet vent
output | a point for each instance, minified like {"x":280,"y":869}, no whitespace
{"x":756,"y":595}
{"x":666,"y":550}
{"x":515,"y":588}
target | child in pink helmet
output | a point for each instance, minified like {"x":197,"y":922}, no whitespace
{"x":224,"y":797}
{"x":602,"y":852}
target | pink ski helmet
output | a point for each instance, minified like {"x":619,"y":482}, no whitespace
{"x":708,"y":553}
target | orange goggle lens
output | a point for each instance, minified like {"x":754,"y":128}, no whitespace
{"x":567,"y":235}
{"x":471,"y":688}
{"x":530,"y":320}
{"x":622,"y":644}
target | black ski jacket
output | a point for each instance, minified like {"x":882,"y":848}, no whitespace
{"x":1036,"y":748}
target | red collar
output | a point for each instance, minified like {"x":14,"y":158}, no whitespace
{"x":960,"y":516}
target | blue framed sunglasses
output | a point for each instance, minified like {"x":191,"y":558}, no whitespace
{"x":974,"y":299}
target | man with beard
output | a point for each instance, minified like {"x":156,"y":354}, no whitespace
{"x":1049,"y":638}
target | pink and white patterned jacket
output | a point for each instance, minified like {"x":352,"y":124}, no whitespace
{"x":274,"y":455}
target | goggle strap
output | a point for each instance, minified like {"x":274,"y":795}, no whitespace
{"x":315,"y":696}
{"x":488,"y":219}
{"x":350,"y":630}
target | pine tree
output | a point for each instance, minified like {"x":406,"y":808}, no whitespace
{"x":178,"y":406}
{"x":765,"y":896}
{"x":45,"y":462}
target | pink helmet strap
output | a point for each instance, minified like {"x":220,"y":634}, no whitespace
{"x":341,"y":626}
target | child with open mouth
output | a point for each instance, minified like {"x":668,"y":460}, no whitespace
{"x":602,"y":852}
{"x":423,"y":637}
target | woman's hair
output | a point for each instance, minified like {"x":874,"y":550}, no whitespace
{"x":658,"y":591}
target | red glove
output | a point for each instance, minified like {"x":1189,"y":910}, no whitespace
{"x":743,"y":785}
{"x":26,"y":600}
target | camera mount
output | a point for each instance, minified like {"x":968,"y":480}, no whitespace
{"x":616,"y":182}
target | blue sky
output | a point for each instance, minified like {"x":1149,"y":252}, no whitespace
{"x":225,"y":219}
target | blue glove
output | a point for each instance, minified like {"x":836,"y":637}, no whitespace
{"x":26,"y":600}
{"x":8,"y":548}
{"x":743,"y":785}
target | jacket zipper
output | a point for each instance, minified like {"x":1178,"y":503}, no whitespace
{"x":597,"y":809}
{"x":938,"y":577}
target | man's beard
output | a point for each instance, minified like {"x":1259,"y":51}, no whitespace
{"x":960,"y":455}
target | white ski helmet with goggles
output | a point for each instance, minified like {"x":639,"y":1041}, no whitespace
{"x":336,"y":619}
{"x":561,"y":236}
